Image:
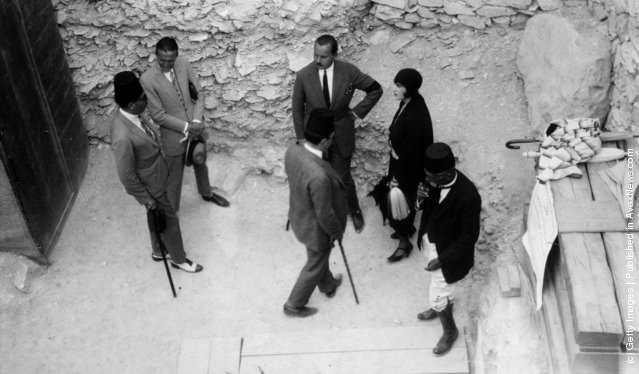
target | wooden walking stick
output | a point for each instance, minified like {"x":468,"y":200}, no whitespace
{"x":157,"y":225}
{"x":348,"y":270}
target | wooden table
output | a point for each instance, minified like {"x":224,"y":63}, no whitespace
{"x":586,"y":286}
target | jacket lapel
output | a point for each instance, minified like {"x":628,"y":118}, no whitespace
{"x":313,"y":80}
{"x":135,"y":129}
{"x":338,"y":83}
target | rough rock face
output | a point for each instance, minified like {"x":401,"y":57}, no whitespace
{"x":622,"y":18}
{"x":566,"y":69}
{"x":246,"y":53}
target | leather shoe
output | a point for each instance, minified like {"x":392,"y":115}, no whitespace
{"x":400,"y":253}
{"x":158,"y":256}
{"x":358,"y":221}
{"x":338,"y":282}
{"x":299,"y":311}
{"x":188,"y":266}
{"x":216,"y":199}
{"x":427,"y":315}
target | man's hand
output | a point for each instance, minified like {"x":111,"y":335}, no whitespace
{"x":433,"y":265}
{"x":195,"y":128}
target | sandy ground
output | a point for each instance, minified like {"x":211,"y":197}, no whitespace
{"x":104,"y":307}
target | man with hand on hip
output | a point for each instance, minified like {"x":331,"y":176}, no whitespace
{"x":330,"y":83}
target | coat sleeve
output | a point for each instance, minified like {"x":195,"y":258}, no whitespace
{"x":373,"y":91}
{"x":125,"y":163}
{"x":469,"y":232}
{"x":321,"y":196}
{"x":199,"y":103}
{"x":154,"y":102}
{"x":299,"y":100}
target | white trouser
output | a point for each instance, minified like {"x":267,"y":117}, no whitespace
{"x":439,"y":292}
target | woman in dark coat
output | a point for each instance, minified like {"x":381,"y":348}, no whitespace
{"x":411,"y":131}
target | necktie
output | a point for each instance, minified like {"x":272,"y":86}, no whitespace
{"x":146,"y":127}
{"x":327,"y":96}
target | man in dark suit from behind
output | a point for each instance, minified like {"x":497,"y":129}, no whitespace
{"x":449,"y":230}
{"x":330,"y":83}
{"x":142,"y":168}
{"x":317,"y":211}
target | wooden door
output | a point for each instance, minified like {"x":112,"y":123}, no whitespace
{"x":43,"y":144}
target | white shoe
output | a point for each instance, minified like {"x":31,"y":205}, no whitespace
{"x":188,"y":266}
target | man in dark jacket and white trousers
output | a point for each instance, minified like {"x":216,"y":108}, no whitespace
{"x":142,"y":168}
{"x":449,"y":230}
{"x":317,"y":211}
{"x":330,"y":83}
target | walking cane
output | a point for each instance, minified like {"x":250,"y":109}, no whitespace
{"x":157,"y":224}
{"x":348,"y":271}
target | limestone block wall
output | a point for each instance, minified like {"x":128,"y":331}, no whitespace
{"x":622,"y":17}
{"x":246,"y":53}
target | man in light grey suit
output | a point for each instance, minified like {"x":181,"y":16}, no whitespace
{"x":330,"y":83}
{"x":317,"y":211}
{"x":175,"y":103}
{"x":141,"y":167}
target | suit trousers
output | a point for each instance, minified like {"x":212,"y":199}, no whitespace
{"x":176,"y":174}
{"x":314,"y":273}
{"x":172,"y":235}
{"x":342,"y":165}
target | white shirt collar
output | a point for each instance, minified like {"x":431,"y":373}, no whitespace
{"x":132,"y":117}
{"x":449,"y":185}
{"x":314,"y":151}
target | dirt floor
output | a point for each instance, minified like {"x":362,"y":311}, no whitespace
{"x":104,"y":307}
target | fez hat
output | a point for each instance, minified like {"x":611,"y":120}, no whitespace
{"x":126,"y":87}
{"x":438,"y":158}
{"x":410,"y":79}
{"x":320,"y":125}
{"x":195,"y":152}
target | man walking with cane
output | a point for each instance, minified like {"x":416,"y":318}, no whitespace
{"x":317,"y":211}
{"x":142,"y":168}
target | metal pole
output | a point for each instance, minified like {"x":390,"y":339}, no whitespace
{"x":348,"y":271}
{"x":157,"y":225}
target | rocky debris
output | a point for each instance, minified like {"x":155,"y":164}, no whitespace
{"x":620,"y":17}
{"x":566,"y":69}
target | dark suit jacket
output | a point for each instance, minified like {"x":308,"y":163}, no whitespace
{"x":317,"y":202}
{"x":307,"y":95}
{"x":165,"y":106}
{"x":410,"y":133}
{"x":453,"y":226}
{"x":138,"y":158}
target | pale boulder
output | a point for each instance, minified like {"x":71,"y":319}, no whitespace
{"x":566,"y":69}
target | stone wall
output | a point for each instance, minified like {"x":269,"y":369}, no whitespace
{"x":622,"y":17}
{"x":246,"y":53}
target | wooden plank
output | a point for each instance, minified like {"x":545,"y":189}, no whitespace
{"x":589,"y":216}
{"x":326,"y":341}
{"x":590,"y":288}
{"x":588,"y":279}
{"x":194,"y":356}
{"x":402,"y":361}
{"x":556,"y":338}
{"x":225,"y":355}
